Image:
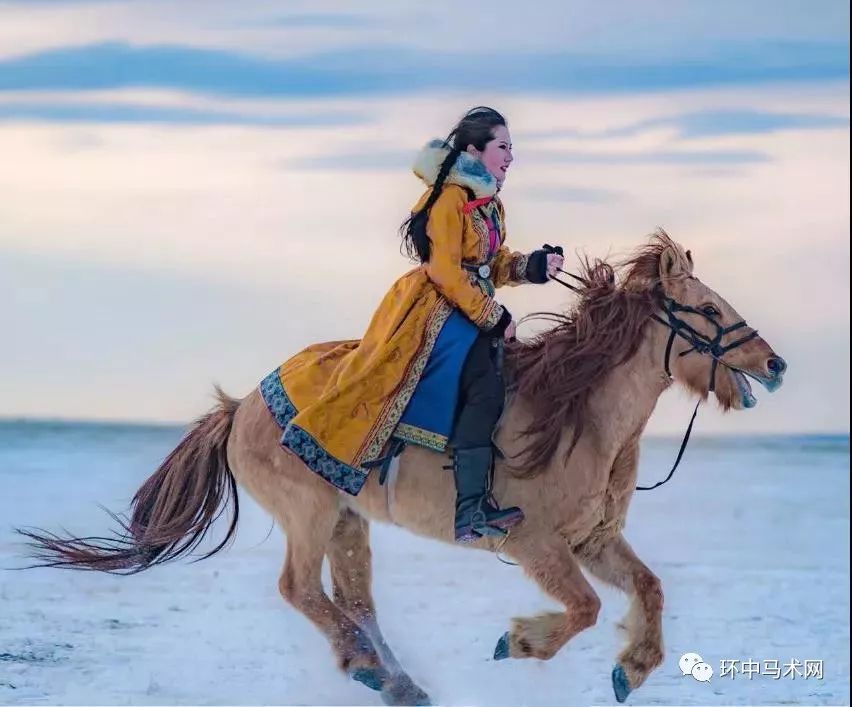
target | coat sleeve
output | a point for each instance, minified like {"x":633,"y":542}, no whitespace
{"x":509,"y":268}
{"x":444,"y":269}
{"x":513,"y":268}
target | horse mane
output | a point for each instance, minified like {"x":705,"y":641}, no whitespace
{"x":557,"y":371}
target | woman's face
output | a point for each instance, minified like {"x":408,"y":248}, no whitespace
{"x":497,"y":155}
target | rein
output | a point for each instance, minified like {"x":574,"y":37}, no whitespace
{"x":701,"y":344}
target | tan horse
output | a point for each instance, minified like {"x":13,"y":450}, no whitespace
{"x":582,"y":395}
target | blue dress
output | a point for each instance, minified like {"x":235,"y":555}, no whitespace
{"x":428,"y":418}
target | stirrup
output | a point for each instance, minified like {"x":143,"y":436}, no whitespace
{"x":479,"y":524}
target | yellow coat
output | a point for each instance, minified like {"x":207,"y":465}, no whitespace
{"x":339,"y":402}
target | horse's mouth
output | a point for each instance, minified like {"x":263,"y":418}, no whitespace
{"x":747,"y":397}
{"x":744,"y":388}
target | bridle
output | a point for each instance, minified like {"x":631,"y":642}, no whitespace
{"x":700,"y":343}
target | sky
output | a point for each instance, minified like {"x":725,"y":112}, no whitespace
{"x":192,"y":192}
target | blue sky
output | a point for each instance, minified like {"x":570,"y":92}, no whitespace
{"x":193,"y":189}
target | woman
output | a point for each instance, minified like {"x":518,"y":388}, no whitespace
{"x":426,"y":371}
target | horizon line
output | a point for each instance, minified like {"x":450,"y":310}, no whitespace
{"x":163,"y":424}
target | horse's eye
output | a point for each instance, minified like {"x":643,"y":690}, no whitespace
{"x":710,"y":310}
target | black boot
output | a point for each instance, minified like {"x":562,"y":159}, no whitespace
{"x":475,"y":516}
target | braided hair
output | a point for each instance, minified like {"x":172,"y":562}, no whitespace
{"x":475,"y":128}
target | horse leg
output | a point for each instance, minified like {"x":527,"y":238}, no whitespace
{"x":307,"y":508}
{"x":350,"y":559}
{"x":301,"y":585}
{"x":617,"y":564}
{"x":552,"y":565}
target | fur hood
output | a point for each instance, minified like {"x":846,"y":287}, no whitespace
{"x":467,"y":171}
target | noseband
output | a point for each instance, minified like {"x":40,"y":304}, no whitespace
{"x":701,"y":343}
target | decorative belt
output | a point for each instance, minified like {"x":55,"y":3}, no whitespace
{"x":482,"y":271}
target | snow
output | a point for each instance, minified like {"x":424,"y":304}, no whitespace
{"x":750,"y":539}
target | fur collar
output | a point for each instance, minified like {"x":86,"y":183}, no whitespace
{"x":467,"y":171}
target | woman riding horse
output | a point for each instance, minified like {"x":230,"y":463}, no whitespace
{"x":426,"y":371}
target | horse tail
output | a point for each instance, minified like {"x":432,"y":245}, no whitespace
{"x":171,"y":512}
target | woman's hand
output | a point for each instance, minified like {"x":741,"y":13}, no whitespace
{"x":509,"y":334}
{"x":554,"y":263}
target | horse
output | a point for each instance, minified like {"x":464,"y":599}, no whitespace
{"x":580,"y":394}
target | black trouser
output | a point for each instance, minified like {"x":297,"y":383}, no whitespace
{"x":481,"y":395}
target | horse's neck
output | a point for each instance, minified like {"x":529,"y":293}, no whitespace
{"x":619,"y":411}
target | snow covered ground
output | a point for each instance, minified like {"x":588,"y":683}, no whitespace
{"x":750,"y":539}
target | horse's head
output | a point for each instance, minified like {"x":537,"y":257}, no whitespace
{"x":712,"y":348}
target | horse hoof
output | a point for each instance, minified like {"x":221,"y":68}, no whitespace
{"x":620,"y":683}
{"x":374,"y":678}
{"x":501,"y":651}
{"x":404,"y":692}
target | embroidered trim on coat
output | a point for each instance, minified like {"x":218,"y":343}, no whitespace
{"x":294,"y":438}
{"x":493,"y":316}
{"x":480,"y":227}
{"x":518,"y":270}
{"x":336,"y":472}
{"x":276,"y":399}
{"x":393,"y":409}
{"x":484,"y":257}
{"x":417,"y":435}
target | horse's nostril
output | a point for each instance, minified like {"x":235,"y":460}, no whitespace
{"x":776,"y":365}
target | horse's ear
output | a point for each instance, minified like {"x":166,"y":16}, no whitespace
{"x":673,"y":266}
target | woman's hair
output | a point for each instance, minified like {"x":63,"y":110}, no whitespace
{"x":475,"y":128}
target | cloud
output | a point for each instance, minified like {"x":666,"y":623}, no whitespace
{"x":709,"y":123}
{"x":715,"y":123}
{"x":330,"y":20}
{"x":130,"y":113}
{"x":569,"y":194}
{"x":657,"y":32}
{"x":650,"y":157}
{"x":362,"y":160}
{"x":25,"y":3}
{"x":392,"y":70}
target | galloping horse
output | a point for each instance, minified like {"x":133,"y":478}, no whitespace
{"x":581,"y":394}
